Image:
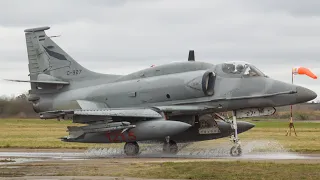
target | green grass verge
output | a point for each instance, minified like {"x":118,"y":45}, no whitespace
{"x":36,"y":133}
{"x":230,"y":170}
{"x":218,"y":170}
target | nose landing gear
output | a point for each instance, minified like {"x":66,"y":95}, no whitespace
{"x":236,"y":149}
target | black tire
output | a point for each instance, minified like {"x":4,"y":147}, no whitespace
{"x":171,"y":147}
{"x":236,"y":151}
{"x":131,"y":148}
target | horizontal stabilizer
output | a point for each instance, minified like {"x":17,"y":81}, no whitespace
{"x":37,"y":29}
{"x":39,"y":81}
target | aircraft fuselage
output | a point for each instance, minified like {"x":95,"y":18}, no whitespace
{"x":157,"y":86}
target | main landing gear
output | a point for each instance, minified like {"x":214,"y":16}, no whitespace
{"x":236,"y":148}
{"x":170,"y":146}
{"x":131,"y":148}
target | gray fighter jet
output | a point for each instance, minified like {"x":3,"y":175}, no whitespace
{"x":171,"y":103}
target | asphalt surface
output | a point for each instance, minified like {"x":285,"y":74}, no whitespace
{"x":115,"y":156}
{"x":24,"y":155}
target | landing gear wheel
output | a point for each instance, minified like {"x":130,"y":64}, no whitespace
{"x":170,"y":148}
{"x":236,"y":151}
{"x":131,"y":148}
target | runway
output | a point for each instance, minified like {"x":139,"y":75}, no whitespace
{"x":23,"y":156}
{"x":252,"y":150}
{"x":67,"y":164}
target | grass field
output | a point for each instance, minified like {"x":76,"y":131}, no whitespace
{"x":227,"y":170}
{"x":35,"y":133}
{"x":218,"y":170}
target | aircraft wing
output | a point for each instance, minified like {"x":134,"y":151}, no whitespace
{"x":126,"y":112}
{"x":121,"y":114}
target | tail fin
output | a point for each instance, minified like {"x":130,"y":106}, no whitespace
{"x":47,"y":59}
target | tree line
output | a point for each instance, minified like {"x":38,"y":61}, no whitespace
{"x":18,"y":106}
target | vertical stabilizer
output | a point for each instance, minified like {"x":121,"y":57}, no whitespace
{"x":46,"y":57}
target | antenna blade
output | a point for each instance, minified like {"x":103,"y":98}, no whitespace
{"x":191,"y":55}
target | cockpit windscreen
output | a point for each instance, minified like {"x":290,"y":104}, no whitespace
{"x":241,"y":68}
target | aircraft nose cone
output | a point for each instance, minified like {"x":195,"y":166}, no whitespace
{"x":244,"y":126}
{"x":305,"y":94}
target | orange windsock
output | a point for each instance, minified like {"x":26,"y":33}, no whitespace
{"x":305,"y":71}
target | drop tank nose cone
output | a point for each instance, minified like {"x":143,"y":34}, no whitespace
{"x":176,"y":126}
{"x":244,"y":126}
{"x":183,"y":125}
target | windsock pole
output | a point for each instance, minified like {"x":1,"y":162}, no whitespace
{"x":296,"y":71}
{"x":291,"y":125}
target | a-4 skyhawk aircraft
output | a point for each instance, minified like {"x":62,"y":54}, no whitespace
{"x":171,"y":103}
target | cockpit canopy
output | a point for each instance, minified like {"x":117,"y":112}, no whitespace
{"x":238,"y":69}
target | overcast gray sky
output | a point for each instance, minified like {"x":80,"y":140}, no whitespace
{"x":122,"y":36}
